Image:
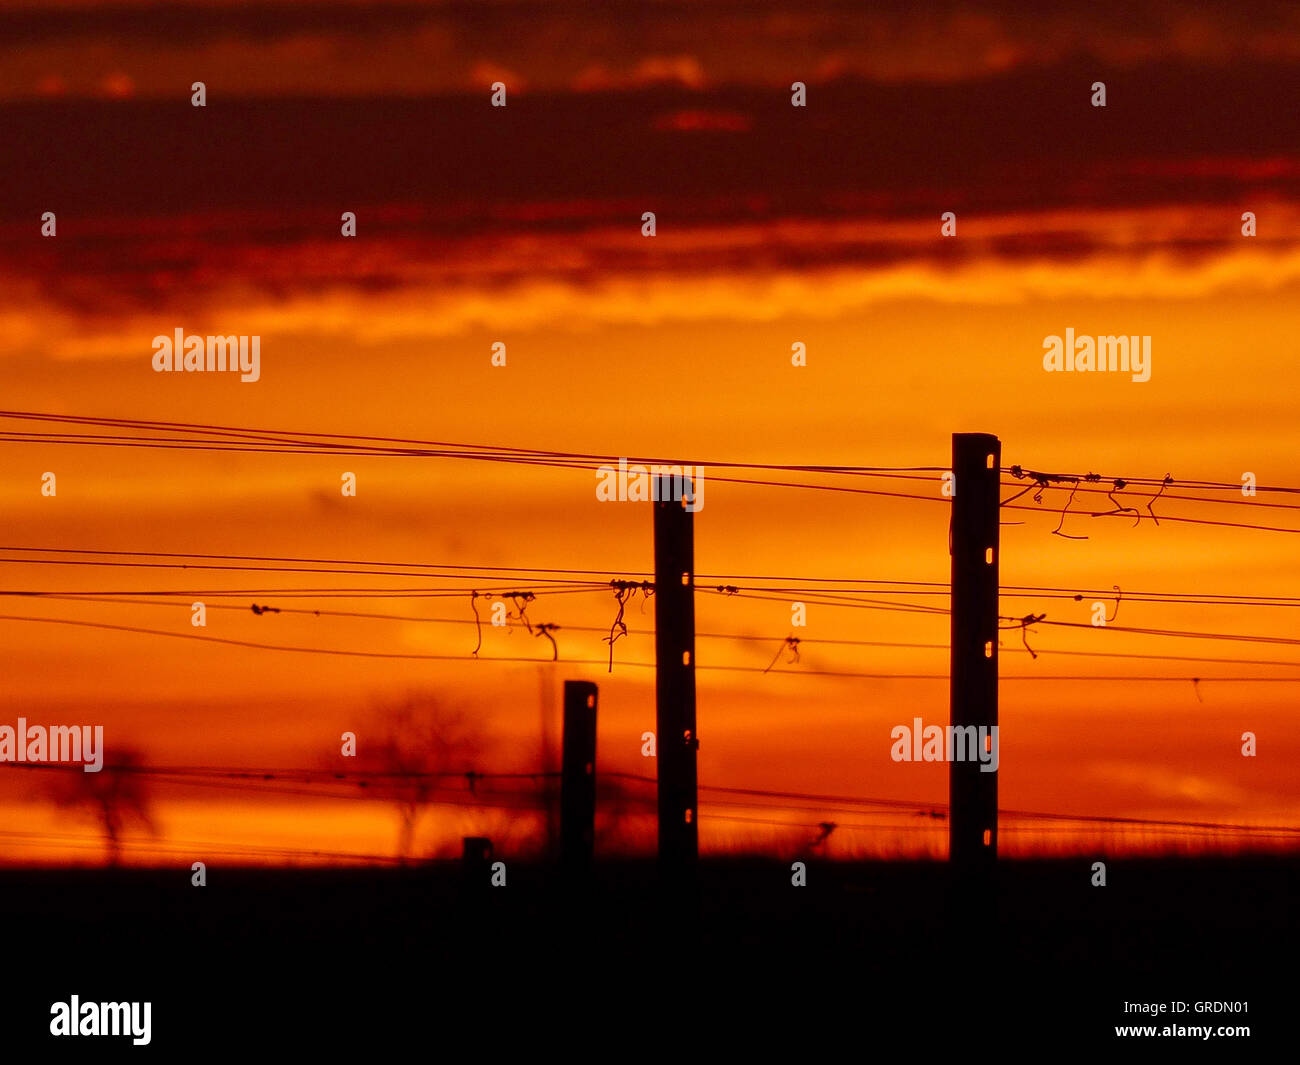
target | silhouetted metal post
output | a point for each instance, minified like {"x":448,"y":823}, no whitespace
{"x":675,"y":736}
{"x":549,"y":761}
{"x":475,"y":862}
{"x":578,"y":777}
{"x":973,"y":794}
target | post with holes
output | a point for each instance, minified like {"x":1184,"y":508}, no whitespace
{"x":578,"y":778}
{"x":973,"y":793}
{"x":676,"y":739}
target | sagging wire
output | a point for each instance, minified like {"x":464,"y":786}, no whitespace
{"x":1168,"y":480}
{"x":1118,"y":485}
{"x":1119,"y":596}
{"x":1023,"y":625}
{"x":521,"y":601}
{"x":623,"y":592}
{"x":1060,"y":524}
{"x":545,"y":629}
{"x":1043,"y":481}
{"x":478,"y":625}
{"x":791,"y":642}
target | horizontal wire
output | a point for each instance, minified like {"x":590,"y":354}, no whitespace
{"x":886,"y":805}
{"x":632,"y":633}
{"x":1021,"y":474}
{"x":262,"y":439}
{"x":636,"y":665}
{"x":556,"y":575}
{"x":181,"y":845}
{"x":262,"y":434}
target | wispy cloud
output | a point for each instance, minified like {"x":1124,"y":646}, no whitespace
{"x":343,"y":47}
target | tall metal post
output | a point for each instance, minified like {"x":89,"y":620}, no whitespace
{"x":578,"y":777}
{"x":676,"y":738}
{"x":973,"y":793}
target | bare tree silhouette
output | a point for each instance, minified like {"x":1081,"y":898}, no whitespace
{"x":625,"y":810}
{"x":421,"y":746}
{"x":115,"y":796}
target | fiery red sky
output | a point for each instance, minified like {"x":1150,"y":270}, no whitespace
{"x":522,"y":225}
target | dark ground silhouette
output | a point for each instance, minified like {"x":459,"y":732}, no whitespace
{"x":880,"y":954}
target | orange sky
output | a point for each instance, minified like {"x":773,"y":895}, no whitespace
{"x":674,"y":345}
